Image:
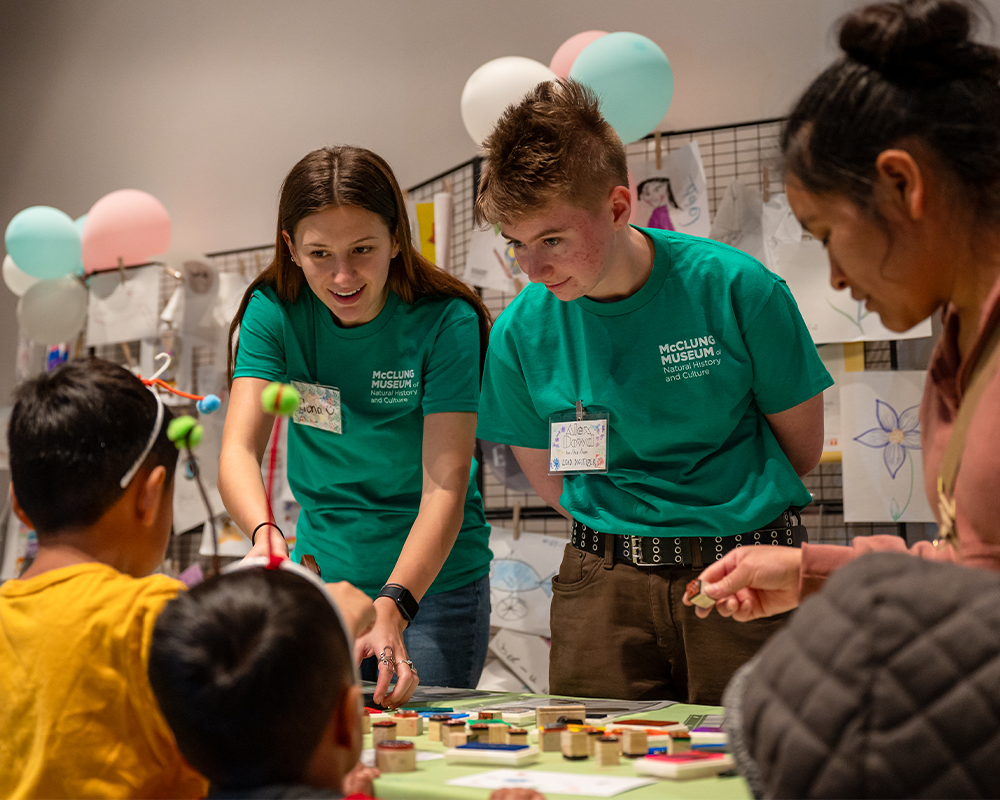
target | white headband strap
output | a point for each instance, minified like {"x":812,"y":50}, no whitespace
{"x":127,"y":477}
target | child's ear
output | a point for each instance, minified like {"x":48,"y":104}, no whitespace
{"x":18,"y":511}
{"x":151,"y":495}
{"x":347,"y":719}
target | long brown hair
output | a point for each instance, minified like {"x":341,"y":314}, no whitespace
{"x":353,"y":176}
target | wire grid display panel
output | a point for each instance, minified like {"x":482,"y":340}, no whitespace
{"x":748,"y":153}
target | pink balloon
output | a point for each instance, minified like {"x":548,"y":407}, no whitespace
{"x":128,"y":224}
{"x":570,"y":49}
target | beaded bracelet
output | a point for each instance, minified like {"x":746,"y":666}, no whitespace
{"x":253,"y":535}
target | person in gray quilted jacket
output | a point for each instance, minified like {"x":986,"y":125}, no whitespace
{"x":884,"y":684}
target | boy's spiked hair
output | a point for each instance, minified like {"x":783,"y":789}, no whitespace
{"x":554,"y":144}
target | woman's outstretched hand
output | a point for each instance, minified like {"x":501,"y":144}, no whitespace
{"x":385,"y":642}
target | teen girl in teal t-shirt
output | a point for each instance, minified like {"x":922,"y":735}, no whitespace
{"x":387,"y":352}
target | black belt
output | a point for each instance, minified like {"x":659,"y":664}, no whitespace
{"x":686,"y":551}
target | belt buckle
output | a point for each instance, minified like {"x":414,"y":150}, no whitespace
{"x":636,"y":554}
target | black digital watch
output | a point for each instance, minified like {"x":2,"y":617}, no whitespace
{"x":405,"y":602}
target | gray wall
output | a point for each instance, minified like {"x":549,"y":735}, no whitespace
{"x":207,"y":103}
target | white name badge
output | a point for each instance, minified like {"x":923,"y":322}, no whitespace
{"x":578,"y":443}
{"x":320,"y":407}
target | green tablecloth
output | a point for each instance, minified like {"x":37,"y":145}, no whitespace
{"x":429,"y":781}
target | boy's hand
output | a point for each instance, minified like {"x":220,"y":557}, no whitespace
{"x":386,"y":637}
{"x":752,"y":582}
{"x":359,"y":780}
{"x":355,"y":606}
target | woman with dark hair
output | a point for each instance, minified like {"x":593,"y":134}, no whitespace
{"x":893,"y":162}
{"x":386,"y":350}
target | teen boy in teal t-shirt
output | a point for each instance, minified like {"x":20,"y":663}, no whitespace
{"x":695,"y":360}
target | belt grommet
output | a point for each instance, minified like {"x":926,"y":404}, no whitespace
{"x":718,"y":538}
{"x":739,"y":537}
{"x":718,"y":548}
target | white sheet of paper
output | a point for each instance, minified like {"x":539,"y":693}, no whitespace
{"x":746,"y":222}
{"x":832,"y":356}
{"x":123,"y":312}
{"x":444,"y":215}
{"x":231,"y":541}
{"x":831,"y":316}
{"x":880,"y":442}
{"x":521,"y":579}
{"x":526,"y":656}
{"x":685,"y":205}
{"x":497,"y":678}
{"x":490,"y":262}
{"x":584,"y":785}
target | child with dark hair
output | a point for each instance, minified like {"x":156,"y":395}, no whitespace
{"x":92,"y":472}
{"x":253,"y":671}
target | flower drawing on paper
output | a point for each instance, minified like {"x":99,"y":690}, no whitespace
{"x":896,"y":435}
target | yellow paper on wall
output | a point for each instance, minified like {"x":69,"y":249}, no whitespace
{"x":425,"y":225}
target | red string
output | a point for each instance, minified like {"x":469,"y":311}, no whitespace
{"x":272,"y":560}
{"x":169,"y":388}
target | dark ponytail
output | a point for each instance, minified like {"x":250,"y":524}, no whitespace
{"x":910,"y":71}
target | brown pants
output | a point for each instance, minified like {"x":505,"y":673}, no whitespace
{"x":622,"y":631}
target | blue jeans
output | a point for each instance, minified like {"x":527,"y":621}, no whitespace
{"x":447,"y":640}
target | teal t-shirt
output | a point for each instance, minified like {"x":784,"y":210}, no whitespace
{"x":360,"y":489}
{"x":686,"y":368}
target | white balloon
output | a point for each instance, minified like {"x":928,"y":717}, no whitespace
{"x":17,"y":280}
{"x":53,"y":312}
{"x":496,"y":85}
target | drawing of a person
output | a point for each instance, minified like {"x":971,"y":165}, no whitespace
{"x":657,"y":194}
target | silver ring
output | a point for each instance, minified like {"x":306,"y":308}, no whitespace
{"x":408,"y":663}
{"x":389,"y":661}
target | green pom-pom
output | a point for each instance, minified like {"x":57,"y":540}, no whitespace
{"x":185,"y":432}
{"x":280,"y":399}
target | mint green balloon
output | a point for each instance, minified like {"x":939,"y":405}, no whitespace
{"x":632,"y":77}
{"x":44,"y":242}
{"x":78,"y":223}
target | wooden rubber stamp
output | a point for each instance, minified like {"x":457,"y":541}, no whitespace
{"x":694,"y":593}
{"x":489,"y":715}
{"x":634,"y":744}
{"x":498,"y":732}
{"x":679,"y":743}
{"x":546,"y":715}
{"x":366,"y":721}
{"x":453,"y":733}
{"x":479,"y":732}
{"x":574,"y":745}
{"x":408,"y":723}
{"x":607,"y":751}
{"x":393,"y":756}
{"x":550,"y":738}
{"x":593,"y":734}
{"x":434,"y":726}
{"x":516,"y":736}
{"x":382,"y":731}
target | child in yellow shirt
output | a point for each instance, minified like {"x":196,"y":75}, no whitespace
{"x":92,"y":472}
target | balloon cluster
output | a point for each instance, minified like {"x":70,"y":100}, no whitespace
{"x":629,"y":73}
{"x":49,"y":254}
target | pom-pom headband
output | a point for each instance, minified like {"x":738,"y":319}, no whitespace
{"x":127,"y":477}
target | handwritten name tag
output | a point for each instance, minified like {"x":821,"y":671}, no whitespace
{"x":579,"y":445}
{"x":320,"y":407}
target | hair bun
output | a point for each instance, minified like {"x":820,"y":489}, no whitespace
{"x":919,"y":41}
